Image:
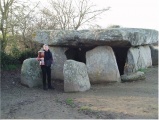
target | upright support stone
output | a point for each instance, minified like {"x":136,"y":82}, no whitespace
{"x":31,"y":75}
{"x":137,"y":58}
{"x":101,"y":65}
{"x":75,"y":76}
{"x":154,"y":54}
{"x":59,"y":59}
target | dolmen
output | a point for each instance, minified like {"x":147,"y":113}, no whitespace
{"x":105,"y":55}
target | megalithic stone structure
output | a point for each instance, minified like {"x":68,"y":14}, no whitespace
{"x":74,"y":44}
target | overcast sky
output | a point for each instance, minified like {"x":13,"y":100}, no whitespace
{"x":129,"y":13}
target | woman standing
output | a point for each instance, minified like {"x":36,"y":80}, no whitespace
{"x":45,"y":63}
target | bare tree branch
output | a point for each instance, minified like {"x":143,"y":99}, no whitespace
{"x":72,"y":14}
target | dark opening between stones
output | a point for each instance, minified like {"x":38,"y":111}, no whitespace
{"x":121,"y":55}
{"x":77,"y":54}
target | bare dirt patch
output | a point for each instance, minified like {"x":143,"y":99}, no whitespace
{"x":137,"y":99}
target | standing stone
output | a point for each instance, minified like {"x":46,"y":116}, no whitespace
{"x":154,"y":54}
{"x":31,"y":75}
{"x":75,"y":76}
{"x":59,"y":58}
{"x":101,"y":65}
{"x":137,"y":58}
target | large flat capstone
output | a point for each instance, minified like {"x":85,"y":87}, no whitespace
{"x":109,"y":37}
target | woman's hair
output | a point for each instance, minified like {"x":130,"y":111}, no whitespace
{"x":45,"y":45}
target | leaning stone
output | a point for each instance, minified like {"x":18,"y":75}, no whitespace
{"x":75,"y":76}
{"x":133,"y":77}
{"x":101,"y":65}
{"x":154,"y":54}
{"x":31,"y":73}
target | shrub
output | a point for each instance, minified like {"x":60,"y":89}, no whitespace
{"x":26,"y":54}
{"x":12,"y":61}
{"x":15,"y":52}
{"x":11,"y":67}
{"x":7,"y":60}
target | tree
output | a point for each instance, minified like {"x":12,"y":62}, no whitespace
{"x":5,"y":6}
{"x":18,"y":20}
{"x":46,"y":20}
{"x":26,"y":20}
{"x":72,"y":14}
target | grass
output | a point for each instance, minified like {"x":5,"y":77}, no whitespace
{"x":69,"y":101}
{"x":85,"y":108}
{"x":142,"y":70}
